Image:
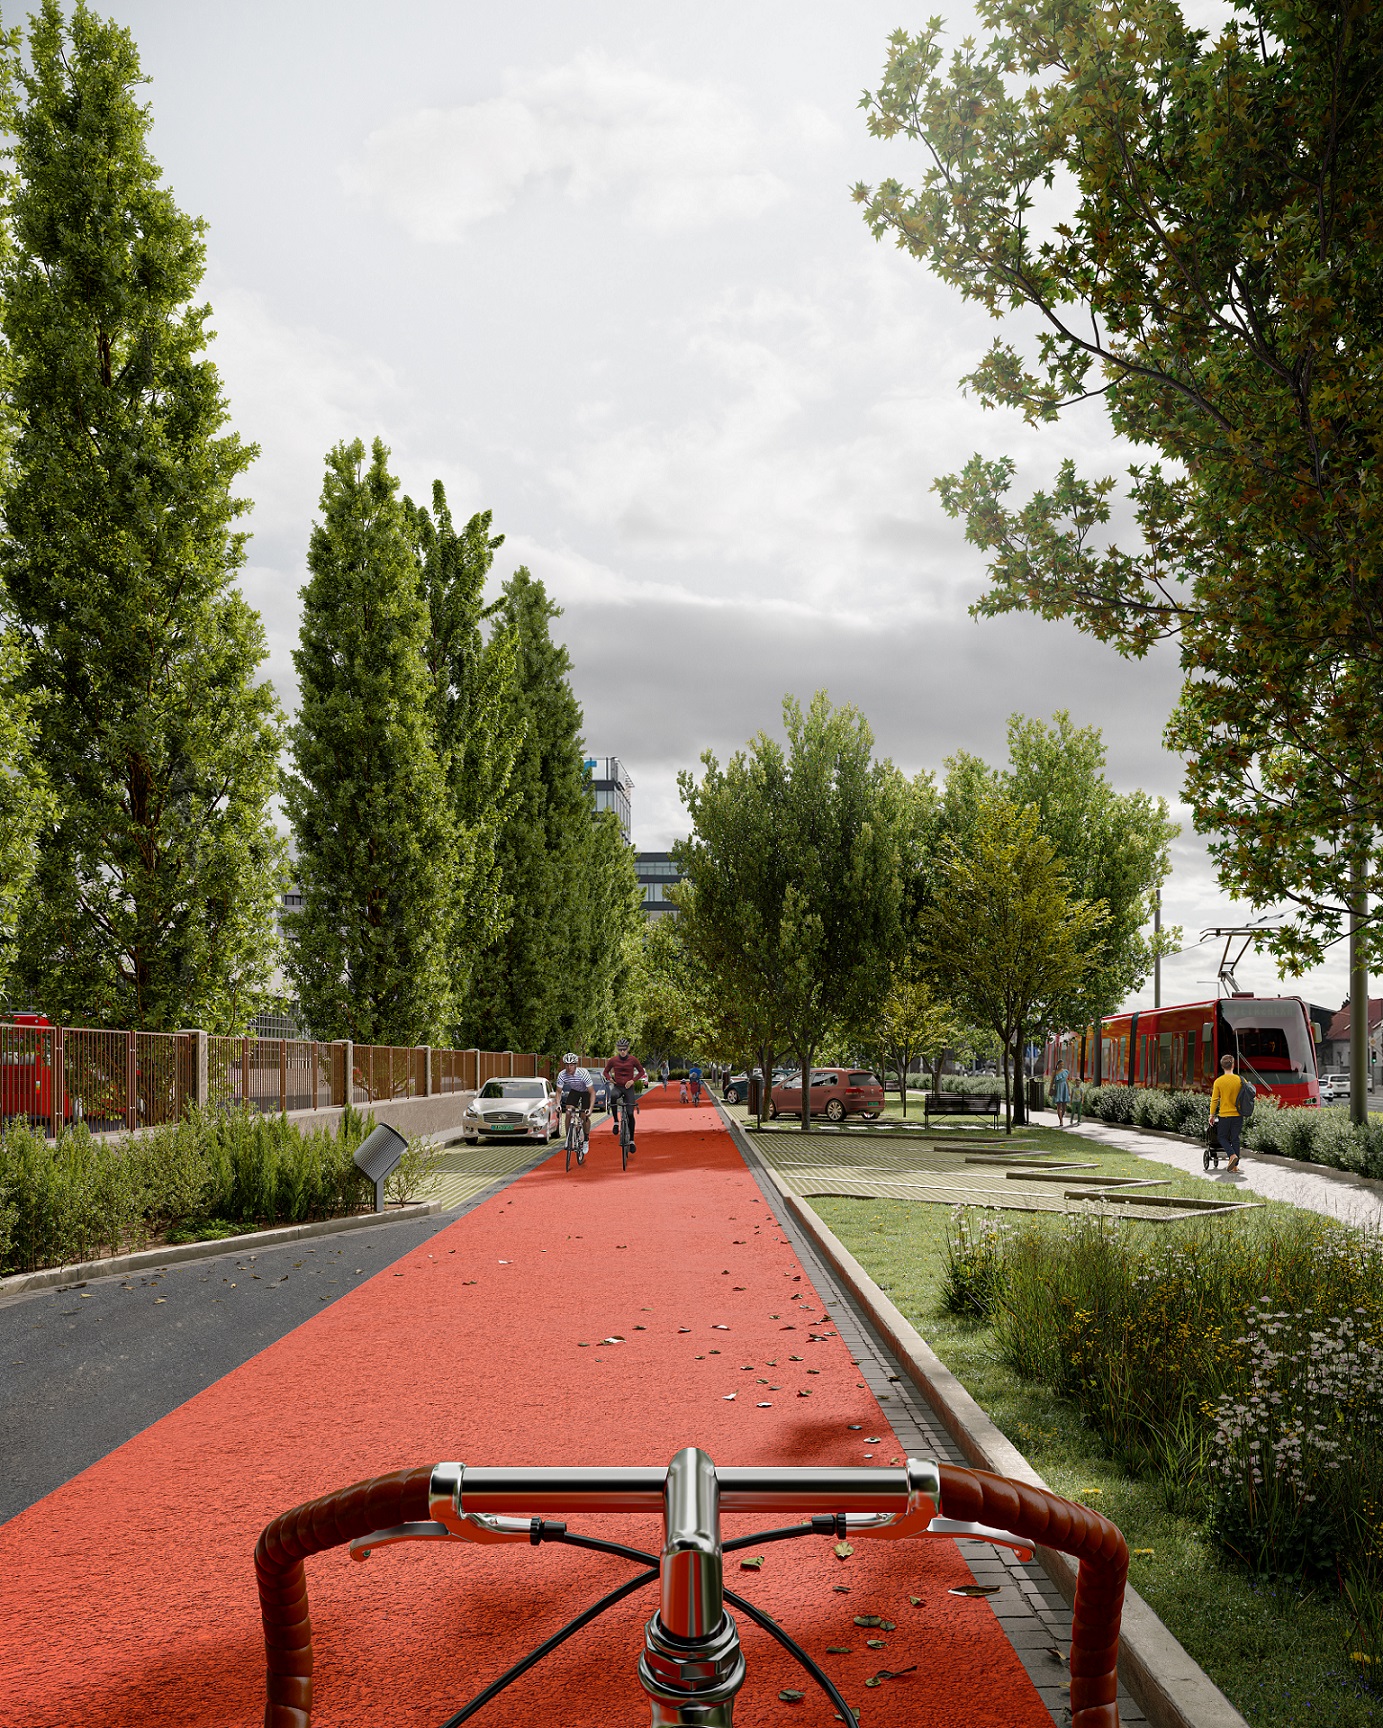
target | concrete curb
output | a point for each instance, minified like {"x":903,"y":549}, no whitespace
{"x":52,"y":1276}
{"x":1174,"y":1691}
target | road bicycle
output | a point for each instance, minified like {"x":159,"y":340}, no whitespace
{"x":624,"y":1122}
{"x":692,"y":1665}
{"x":577,"y":1136}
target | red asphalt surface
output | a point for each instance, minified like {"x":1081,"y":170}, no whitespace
{"x":127,"y":1597}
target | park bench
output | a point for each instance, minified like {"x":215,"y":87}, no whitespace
{"x":960,"y":1104}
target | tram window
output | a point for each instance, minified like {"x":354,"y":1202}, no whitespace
{"x":1207,"y":1057}
{"x":1190,"y":1058}
{"x":1264,"y":1046}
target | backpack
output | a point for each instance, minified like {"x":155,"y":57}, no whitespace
{"x":1245,"y":1100}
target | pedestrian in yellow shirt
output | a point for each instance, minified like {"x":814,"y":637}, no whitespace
{"x":1224,"y":1110}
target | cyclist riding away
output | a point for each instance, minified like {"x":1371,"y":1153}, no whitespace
{"x":621,"y":1071}
{"x":574,"y":1090}
{"x":694,"y":1082}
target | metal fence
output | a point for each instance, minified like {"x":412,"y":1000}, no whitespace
{"x":51,"y":1075}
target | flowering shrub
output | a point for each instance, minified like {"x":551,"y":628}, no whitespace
{"x":1297,"y":1457}
{"x":974,"y":1261}
{"x":1244,"y":1408}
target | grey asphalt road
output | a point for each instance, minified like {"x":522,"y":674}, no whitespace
{"x":84,"y":1368}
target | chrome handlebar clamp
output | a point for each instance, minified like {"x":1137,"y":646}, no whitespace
{"x":692,"y":1665}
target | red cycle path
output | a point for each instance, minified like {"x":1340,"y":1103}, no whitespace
{"x":127,"y":1597}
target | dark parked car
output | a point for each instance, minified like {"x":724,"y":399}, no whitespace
{"x":835,"y":1094}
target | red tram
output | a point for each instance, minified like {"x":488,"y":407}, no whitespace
{"x":1179,"y":1049}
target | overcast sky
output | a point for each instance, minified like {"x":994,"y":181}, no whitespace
{"x":597,"y":267}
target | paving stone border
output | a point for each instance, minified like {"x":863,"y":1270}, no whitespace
{"x":1172,"y":1689}
{"x":22,"y":1282}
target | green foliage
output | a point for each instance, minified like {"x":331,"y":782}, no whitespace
{"x":561,"y":973}
{"x":1210,"y":268}
{"x":76,"y":1198}
{"x":1244,"y":1364}
{"x":1114,"y":848}
{"x":368,"y":798}
{"x":157,"y":877}
{"x":796,"y":866}
{"x":476,"y":724}
{"x":25,"y":798}
{"x":974,"y":1262}
{"x":914,"y":1021}
{"x":1002,"y":936}
{"x":669,"y":992}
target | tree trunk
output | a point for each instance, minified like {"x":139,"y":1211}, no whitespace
{"x":806,"y":1057}
{"x":903,"y":1088}
{"x":1008,"y":1097}
{"x":1099,"y":1050}
{"x":1020,"y":1098}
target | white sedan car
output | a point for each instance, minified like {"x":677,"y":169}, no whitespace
{"x":512,"y":1110}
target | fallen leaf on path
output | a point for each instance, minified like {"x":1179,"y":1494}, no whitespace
{"x":876,"y":1620}
{"x":842,"y":1550}
{"x":763,"y":1406}
{"x":1055,"y":1654}
{"x":974,"y":1590}
{"x":916,"y":1601}
{"x":730,"y":1397}
{"x":790,"y":1697}
{"x":839,"y":1650}
{"x":613,"y":1339}
{"x":841,"y":1589}
{"x":753,"y":1564}
{"x":877,"y":1643}
{"x":803,"y":1392}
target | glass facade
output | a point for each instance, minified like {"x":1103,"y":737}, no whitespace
{"x":657,"y":873}
{"x":612,"y":783}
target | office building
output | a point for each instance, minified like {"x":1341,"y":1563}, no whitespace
{"x":612,"y":784}
{"x":657,"y":873}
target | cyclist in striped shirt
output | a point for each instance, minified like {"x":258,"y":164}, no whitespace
{"x":575,"y":1090}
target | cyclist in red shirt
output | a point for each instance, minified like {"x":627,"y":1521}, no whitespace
{"x":621,"y":1071}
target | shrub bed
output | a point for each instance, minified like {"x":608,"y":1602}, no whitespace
{"x":77,"y":1198}
{"x":1325,"y":1136}
{"x":1241,"y":1369}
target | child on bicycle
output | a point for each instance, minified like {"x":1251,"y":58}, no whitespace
{"x":682,"y":1096}
{"x":694,"y":1083}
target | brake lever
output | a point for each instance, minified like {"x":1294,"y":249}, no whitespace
{"x":468,"y":1527}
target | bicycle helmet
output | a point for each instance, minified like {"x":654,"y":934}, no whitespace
{"x":622,"y":1045}
{"x":570,"y":1059}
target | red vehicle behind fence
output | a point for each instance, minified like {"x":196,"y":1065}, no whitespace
{"x":26,"y":1069}
{"x":1179,"y":1049}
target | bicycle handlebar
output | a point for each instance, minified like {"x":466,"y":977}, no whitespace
{"x":450,"y":1502}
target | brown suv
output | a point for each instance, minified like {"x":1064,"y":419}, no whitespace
{"x":835,"y":1094}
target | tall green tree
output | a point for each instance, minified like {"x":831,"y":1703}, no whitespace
{"x":1211,"y":270}
{"x":26,"y":801}
{"x":156,"y":884}
{"x":913,"y":1020}
{"x":1003,"y":937}
{"x":823,"y":866}
{"x":1114,"y":847}
{"x":559,"y":974}
{"x":368,"y":798}
{"x":476,"y":723}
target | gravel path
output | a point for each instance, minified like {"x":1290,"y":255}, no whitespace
{"x":1336,"y":1193}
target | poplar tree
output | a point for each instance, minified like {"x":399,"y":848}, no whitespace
{"x":25,"y":800}
{"x":561,"y":972}
{"x":476,"y":724}
{"x":157,"y":879}
{"x":368,"y":794}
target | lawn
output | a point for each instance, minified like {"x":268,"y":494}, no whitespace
{"x":1279,"y":1653}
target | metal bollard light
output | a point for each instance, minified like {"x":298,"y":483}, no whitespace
{"x":377,"y":1157}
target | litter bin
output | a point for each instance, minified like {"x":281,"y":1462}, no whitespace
{"x":1037,"y":1093}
